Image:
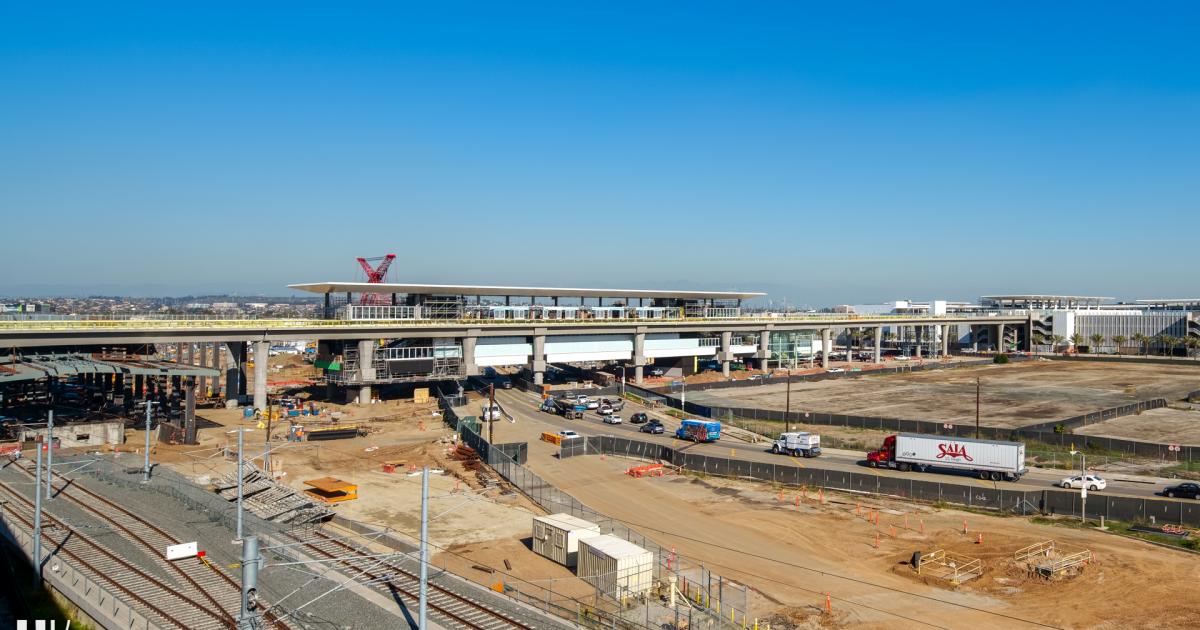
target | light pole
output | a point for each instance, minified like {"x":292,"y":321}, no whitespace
{"x":977,"y":386}
{"x":146,"y":465}
{"x":49,"y":454}
{"x":1083,"y":485}
{"x":37,"y":522}
{"x":787,"y":413}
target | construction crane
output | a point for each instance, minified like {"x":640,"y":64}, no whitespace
{"x":376,"y":274}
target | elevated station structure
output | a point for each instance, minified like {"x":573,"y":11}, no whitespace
{"x":427,"y":332}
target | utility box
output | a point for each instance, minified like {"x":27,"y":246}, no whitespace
{"x":615,"y":566}
{"x":557,"y":536}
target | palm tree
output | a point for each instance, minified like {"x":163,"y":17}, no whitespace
{"x":1097,"y":340}
{"x":1038,"y":340}
{"x":1058,"y":341}
{"x":1076,"y":341}
{"x":1163,"y":341}
{"x":1117,"y":341}
{"x":1143,"y":342}
{"x":1192,"y":344}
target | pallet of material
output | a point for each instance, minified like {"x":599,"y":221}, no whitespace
{"x":331,"y":490}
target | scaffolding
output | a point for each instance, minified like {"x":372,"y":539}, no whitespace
{"x":443,"y":307}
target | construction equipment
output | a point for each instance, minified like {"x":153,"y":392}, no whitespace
{"x":375,"y":275}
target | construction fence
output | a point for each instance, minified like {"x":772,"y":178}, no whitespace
{"x":706,"y":593}
{"x":1044,"y":433}
{"x":788,"y":473}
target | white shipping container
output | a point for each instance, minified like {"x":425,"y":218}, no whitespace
{"x":615,"y":566}
{"x":557,"y":536}
{"x":963,"y":453}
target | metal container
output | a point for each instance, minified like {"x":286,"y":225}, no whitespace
{"x":615,"y":566}
{"x":557,"y":536}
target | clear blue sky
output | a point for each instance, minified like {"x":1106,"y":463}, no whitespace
{"x":827,"y":152}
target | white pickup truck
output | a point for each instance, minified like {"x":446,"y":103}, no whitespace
{"x":798,"y":444}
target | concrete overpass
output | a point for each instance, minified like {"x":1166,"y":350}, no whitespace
{"x":432,"y":332}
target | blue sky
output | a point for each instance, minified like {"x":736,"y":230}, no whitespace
{"x":825,"y":152}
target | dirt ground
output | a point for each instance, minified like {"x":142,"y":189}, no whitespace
{"x":1181,"y":426}
{"x":792,"y":555}
{"x":1012,"y":395}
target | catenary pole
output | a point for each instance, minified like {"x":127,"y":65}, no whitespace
{"x":37,"y":522}
{"x":240,"y":477}
{"x":49,"y":455}
{"x":424,"y":547}
{"x":146,"y":465}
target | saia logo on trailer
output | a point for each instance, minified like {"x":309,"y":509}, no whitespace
{"x":953,"y":451}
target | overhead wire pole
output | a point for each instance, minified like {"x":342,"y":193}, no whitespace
{"x":37,"y":522}
{"x":49,"y":454}
{"x":146,"y":466}
{"x":977,"y":386}
{"x":240,"y":478}
{"x":424,"y":548}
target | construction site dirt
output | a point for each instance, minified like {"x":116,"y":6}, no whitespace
{"x":1013,"y":395}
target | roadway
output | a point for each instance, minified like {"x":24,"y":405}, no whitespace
{"x":530,"y":423}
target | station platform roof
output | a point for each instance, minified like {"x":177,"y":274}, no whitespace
{"x":38,"y":366}
{"x":497,"y":291}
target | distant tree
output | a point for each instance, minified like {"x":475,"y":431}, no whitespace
{"x":1143,"y":342}
{"x":1097,"y":340}
{"x":1164,"y":340}
{"x":1118,"y":340}
{"x":1058,"y":342}
{"x":1076,"y":341}
{"x":1038,"y":340}
{"x":1192,"y":344}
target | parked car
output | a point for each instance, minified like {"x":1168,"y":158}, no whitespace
{"x":902,"y":357}
{"x":1187,"y":490}
{"x":638,"y":418}
{"x":612,"y":419}
{"x":1091,"y":482}
{"x":836,"y":370}
{"x":593,"y":404}
{"x":616,"y":404}
{"x":568,"y":434}
{"x":654,"y":427}
{"x":656,"y":371}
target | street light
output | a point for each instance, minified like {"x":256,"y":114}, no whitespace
{"x":1082,"y":484}
{"x":787,"y":412}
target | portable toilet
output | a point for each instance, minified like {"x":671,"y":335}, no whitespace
{"x":615,"y":566}
{"x":557,"y":536}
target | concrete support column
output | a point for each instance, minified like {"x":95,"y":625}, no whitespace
{"x":235,"y":373}
{"x":366,"y":369}
{"x":202,"y":382}
{"x":726,"y":352}
{"x":1000,"y":338}
{"x":878,"y":343}
{"x":468,"y":348}
{"x":139,"y":386}
{"x":945,"y":331}
{"x":975,"y":337}
{"x":639,"y":355}
{"x":537,"y":362}
{"x":764,"y":350}
{"x":261,"y":351}
{"x":920,"y":337}
{"x":826,"y":347}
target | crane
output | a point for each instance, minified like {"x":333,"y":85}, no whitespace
{"x":375,"y":275}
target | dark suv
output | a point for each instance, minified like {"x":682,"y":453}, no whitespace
{"x":1187,"y":490}
{"x":638,"y":418}
{"x":654,"y":427}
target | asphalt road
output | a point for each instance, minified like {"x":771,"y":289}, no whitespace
{"x":524,"y":406}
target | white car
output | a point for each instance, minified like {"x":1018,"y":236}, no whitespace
{"x":593,"y":404}
{"x":604,"y":410}
{"x":568,"y":434}
{"x":1091,"y":482}
{"x":903,"y":357}
{"x":836,"y":370}
{"x":612,"y":419}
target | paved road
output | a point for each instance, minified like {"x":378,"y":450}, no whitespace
{"x":524,"y":406}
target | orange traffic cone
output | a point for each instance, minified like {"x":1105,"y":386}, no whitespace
{"x":876,"y":540}
{"x":828,"y":604}
{"x":821,"y":496}
{"x":979,"y":538}
{"x":964,"y":526}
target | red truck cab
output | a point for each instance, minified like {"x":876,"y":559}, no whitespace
{"x":884,"y":454}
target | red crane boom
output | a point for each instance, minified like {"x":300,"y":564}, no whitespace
{"x":375,"y":275}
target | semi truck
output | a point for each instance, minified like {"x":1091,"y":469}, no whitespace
{"x":798,"y":444}
{"x":568,"y":408}
{"x":699,"y":430}
{"x":990,"y":459}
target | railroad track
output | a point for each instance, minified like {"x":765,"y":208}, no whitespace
{"x":450,"y":609}
{"x":158,"y":599}
{"x":221,"y":592}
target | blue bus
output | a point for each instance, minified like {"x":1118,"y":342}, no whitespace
{"x":699,"y":430}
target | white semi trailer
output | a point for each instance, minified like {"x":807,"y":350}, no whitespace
{"x":990,"y":459}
